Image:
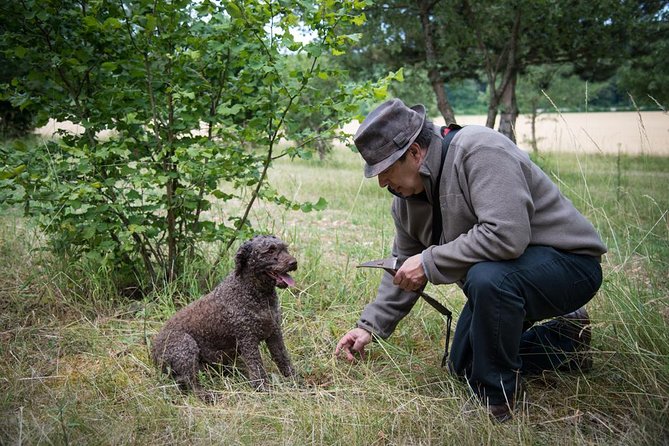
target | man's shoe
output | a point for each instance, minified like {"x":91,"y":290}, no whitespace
{"x":505,"y":411}
{"x":576,"y":327}
{"x":500,"y":412}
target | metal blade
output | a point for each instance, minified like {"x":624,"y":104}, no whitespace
{"x":389,"y":264}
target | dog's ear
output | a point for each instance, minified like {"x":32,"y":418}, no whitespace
{"x":242,"y":257}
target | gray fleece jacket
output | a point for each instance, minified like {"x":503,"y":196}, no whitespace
{"x":494,"y":201}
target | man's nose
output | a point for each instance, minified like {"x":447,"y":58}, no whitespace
{"x":383,"y":182}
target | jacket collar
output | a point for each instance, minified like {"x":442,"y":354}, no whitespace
{"x":429,"y":170}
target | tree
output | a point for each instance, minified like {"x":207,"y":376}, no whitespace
{"x":514,"y":35}
{"x":14,"y":120}
{"x":401,"y":34}
{"x":499,"y":39}
{"x":198,"y":95}
{"x":645,"y":76}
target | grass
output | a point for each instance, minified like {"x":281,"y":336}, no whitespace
{"x":74,"y":365}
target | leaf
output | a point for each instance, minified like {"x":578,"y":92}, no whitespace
{"x":136,"y":229}
{"x":150,"y":23}
{"x":321,"y":204}
{"x":112,"y":23}
{"x":13,"y":173}
{"x":313,"y":49}
{"x":380,"y":93}
{"x":359,"y":20}
{"x":233,"y":10}
{"x":221,"y":195}
{"x":91,"y":22}
{"x":399,"y":75}
{"x":109,"y":66}
{"x":20,"y":52}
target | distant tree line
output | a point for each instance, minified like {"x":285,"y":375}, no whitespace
{"x":501,"y":56}
{"x":493,"y":57}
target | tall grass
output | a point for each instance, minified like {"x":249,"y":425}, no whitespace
{"x":74,"y":365}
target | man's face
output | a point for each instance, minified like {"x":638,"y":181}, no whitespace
{"x":402,"y":176}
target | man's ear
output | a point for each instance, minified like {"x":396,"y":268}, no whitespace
{"x":416,"y":153}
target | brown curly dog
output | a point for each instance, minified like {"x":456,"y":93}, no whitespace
{"x":232,"y":320}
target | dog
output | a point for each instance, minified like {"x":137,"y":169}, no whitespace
{"x":232,"y":320}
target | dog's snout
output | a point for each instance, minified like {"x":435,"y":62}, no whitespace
{"x":292,"y":265}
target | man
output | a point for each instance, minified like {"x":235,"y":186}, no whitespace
{"x":516,"y":246}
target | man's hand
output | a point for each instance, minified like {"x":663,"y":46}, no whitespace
{"x":355,"y":340}
{"x":411,"y":276}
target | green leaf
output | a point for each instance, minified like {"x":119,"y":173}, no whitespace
{"x":91,"y":22}
{"x":359,"y":20}
{"x":7,"y":174}
{"x":233,"y":10}
{"x":380,"y":93}
{"x":109,"y":66}
{"x":20,"y":52}
{"x":321,"y":204}
{"x":112,"y":23}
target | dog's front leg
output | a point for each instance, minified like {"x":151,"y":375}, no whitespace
{"x":277,"y":349}
{"x":250,"y":354}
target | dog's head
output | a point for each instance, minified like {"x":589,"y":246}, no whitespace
{"x":266,"y":257}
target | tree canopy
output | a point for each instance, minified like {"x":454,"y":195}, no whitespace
{"x":498,"y":41}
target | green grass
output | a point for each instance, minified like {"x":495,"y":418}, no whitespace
{"x":74,"y":365}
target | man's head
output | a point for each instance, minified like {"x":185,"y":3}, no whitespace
{"x":386,"y":133}
{"x":386,"y":139}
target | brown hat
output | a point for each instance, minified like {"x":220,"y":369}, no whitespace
{"x":386,"y":133}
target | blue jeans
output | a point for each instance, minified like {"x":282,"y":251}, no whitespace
{"x":495,"y":339}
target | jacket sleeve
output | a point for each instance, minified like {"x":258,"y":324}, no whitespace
{"x":496,"y":188}
{"x":392,"y":303}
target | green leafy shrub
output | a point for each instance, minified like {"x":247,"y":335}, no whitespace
{"x":197,"y":96}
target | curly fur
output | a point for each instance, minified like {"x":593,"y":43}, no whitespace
{"x":232,"y":320}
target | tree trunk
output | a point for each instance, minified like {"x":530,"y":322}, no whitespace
{"x":492,"y":113}
{"x":425,"y":7}
{"x":509,"y":113}
{"x":507,"y":122}
{"x":533,"y":121}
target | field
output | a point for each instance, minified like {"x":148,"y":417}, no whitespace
{"x":631,"y":133}
{"x":74,"y":365}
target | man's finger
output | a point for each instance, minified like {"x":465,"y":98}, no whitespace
{"x":344,"y":344}
{"x":340,"y":346}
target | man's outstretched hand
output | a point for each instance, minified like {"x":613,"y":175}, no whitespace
{"x":353,"y":341}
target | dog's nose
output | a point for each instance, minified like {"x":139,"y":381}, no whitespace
{"x":293,"y":264}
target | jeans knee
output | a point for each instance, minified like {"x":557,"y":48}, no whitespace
{"x":482,"y":278}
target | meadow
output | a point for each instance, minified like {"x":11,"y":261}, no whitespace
{"x":74,"y":364}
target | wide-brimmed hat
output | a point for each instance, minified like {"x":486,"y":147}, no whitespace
{"x":386,"y":133}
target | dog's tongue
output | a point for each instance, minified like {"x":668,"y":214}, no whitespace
{"x":287,"y":279}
